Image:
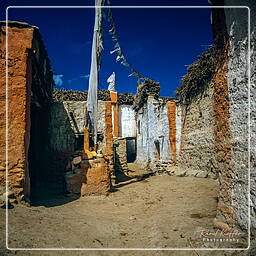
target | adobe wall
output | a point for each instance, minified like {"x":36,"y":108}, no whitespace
{"x":28,"y":70}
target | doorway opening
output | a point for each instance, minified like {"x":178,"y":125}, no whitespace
{"x":131,"y":149}
{"x":45,"y":167}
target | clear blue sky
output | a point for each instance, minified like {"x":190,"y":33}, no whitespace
{"x":159,"y":43}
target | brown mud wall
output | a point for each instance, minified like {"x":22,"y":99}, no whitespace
{"x":18,"y":91}
{"x":171,"y":112}
{"x":223,"y":143}
{"x":29,"y":93}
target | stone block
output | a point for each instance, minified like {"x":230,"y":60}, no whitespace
{"x":77,"y":160}
{"x":193,"y":172}
{"x":180,"y":172}
{"x":74,"y":181}
{"x":202,"y":174}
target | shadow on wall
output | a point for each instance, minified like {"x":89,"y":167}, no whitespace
{"x":51,"y":144}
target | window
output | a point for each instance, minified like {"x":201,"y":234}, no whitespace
{"x":139,"y":127}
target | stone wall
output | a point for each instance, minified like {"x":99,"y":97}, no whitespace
{"x":61,"y":133}
{"x":237,"y":80}
{"x":89,"y":172}
{"x":120,"y":155}
{"x":28,"y":70}
{"x":67,"y":123}
{"x":231,"y":113}
{"x":197,"y":151}
{"x":253,"y":127}
{"x":233,"y":204}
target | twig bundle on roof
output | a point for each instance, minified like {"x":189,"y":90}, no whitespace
{"x":198,"y":77}
{"x":144,"y":89}
{"x":61,"y":95}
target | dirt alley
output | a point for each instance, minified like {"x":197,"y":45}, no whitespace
{"x":157,"y":212}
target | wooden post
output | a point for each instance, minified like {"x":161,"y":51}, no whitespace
{"x":113,"y":97}
{"x":86,"y":140}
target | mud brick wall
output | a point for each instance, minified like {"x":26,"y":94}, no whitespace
{"x":197,"y":150}
{"x":20,"y":39}
{"x":171,"y":113}
{"x":26,"y":57}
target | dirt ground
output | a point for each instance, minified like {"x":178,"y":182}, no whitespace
{"x":156,"y":212}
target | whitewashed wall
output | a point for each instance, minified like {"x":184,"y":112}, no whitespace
{"x":127,"y":122}
{"x":178,"y":128}
{"x":154,"y":126}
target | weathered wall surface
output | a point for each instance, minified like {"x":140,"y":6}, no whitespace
{"x":231,"y":113}
{"x":172,"y":114}
{"x":153,"y":144}
{"x":67,"y":122}
{"x":178,"y":128}
{"x":107,"y":145}
{"x":61,"y":134}
{"x":20,"y":39}
{"x":253,"y":128}
{"x":237,"y":79}
{"x":26,"y":56}
{"x":88,"y":176}
{"x":120,"y":155}
{"x":127,"y":121}
{"x":197,"y":155}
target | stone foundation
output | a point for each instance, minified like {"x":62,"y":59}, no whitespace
{"x":120,"y":155}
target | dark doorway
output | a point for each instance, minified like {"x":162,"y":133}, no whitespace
{"x":157,"y":149}
{"x":131,"y":149}
{"x":38,"y":155}
{"x":79,"y":142}
{"x":45,"y":167}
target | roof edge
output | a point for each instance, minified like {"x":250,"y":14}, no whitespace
{"x":19,"y":24}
